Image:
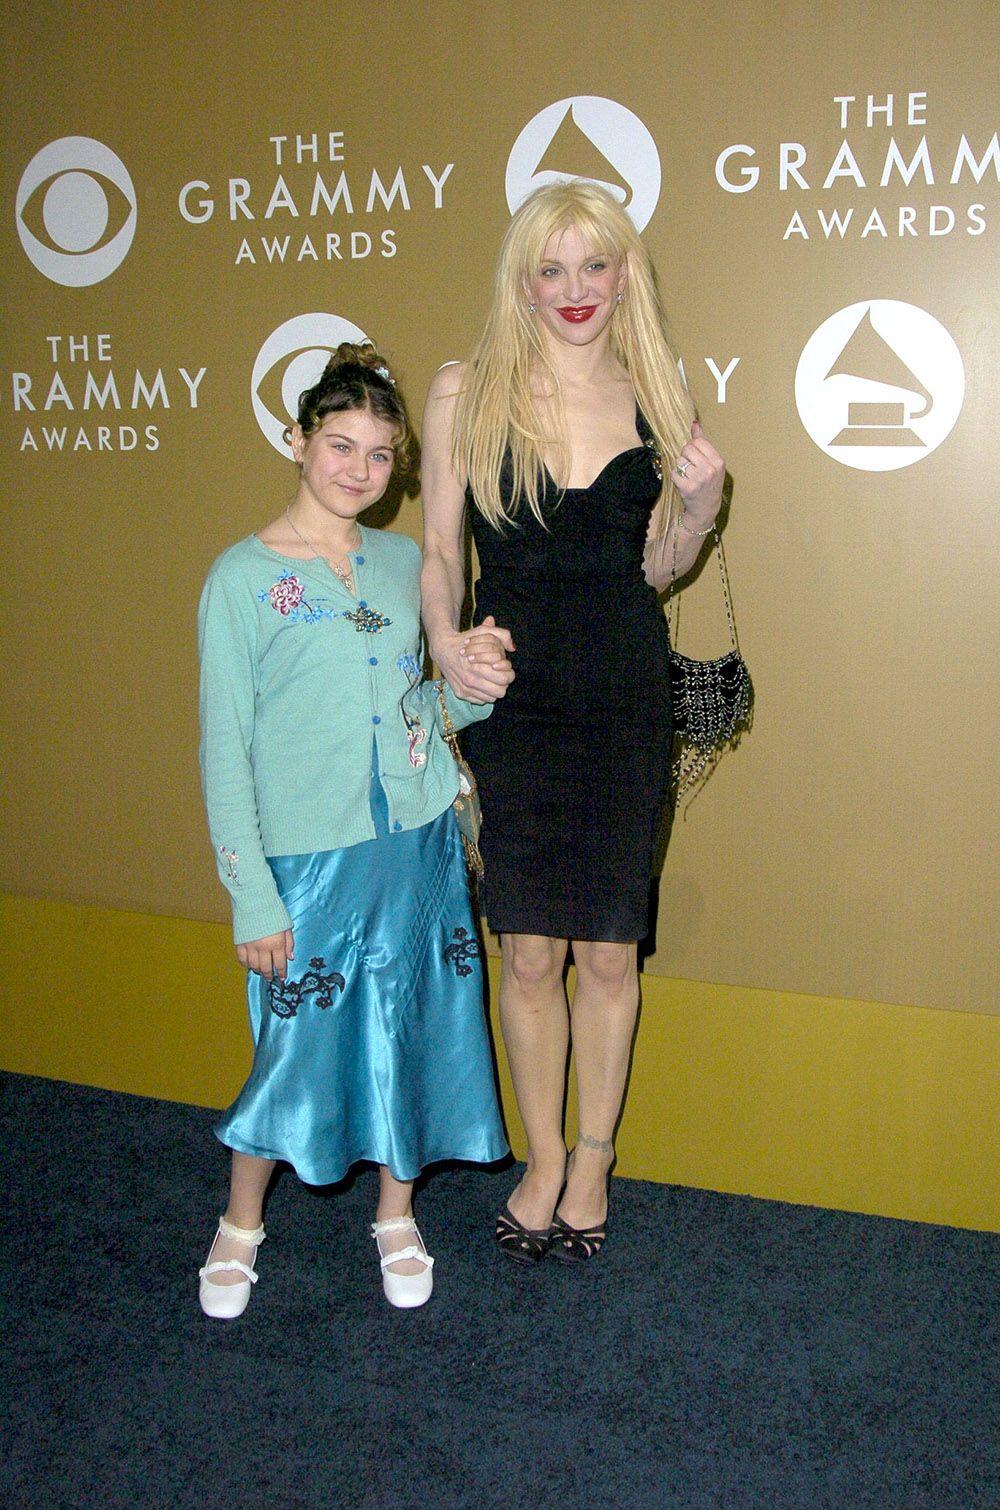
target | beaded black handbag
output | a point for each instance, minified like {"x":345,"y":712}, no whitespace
{"x":712,"y":701}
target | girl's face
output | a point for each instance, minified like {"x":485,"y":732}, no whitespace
{"x":575,"y":288}
{"x":345,"y":464}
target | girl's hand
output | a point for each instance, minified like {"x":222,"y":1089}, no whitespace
{"x":487,"y":646}
{"x":268,"y":956}
{"x":475,"y":663}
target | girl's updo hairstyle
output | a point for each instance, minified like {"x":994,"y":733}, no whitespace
{"x":357,"y":377}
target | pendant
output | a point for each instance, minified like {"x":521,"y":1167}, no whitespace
{"x":366,"y":620}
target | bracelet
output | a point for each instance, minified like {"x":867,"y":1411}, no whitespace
{"x":698,"y":533}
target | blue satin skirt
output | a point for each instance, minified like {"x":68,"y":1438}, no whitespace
{"x":375,"y":1046}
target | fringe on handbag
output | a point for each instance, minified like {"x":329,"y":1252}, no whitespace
{"x":712,"y":700}
{"x":466,"y":804}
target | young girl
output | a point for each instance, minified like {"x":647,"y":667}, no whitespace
{"x":329,"y":791}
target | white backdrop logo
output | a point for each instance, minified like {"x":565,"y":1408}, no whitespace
{"x":76,"y":211}
{"x":587,"y":137}
{"x":290,"y":361}
{"x":879,"y":385}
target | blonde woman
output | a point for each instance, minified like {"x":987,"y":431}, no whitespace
{"x":573,"y":441}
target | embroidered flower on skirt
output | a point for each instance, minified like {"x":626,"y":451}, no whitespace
{"x":286,"y":996}
{"x":463,"y":947}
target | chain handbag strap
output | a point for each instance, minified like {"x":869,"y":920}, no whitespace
{"x":466,"y":804}
{"x":448,"y":728}
{"x":726,"y":592}
{"x":712,"y":700}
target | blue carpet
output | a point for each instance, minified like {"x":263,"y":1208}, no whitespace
{"x":722,"y":1352}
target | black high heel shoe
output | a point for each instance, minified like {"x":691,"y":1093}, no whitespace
{"x":575,"y":1245}
{"x":518,"y":1242}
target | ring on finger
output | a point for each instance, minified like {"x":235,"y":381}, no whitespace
{"x":682,"y":468}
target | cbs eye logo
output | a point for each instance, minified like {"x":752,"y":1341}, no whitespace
{"x":76,"y":211}
{"x":290,"y":361}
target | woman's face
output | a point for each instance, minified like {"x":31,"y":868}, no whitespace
{"x":575,"y":288}
{"x":345,"y":464}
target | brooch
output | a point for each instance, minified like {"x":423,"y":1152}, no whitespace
{"x":366,"y":620}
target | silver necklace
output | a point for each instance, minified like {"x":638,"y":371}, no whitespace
{"x":345,"y":573}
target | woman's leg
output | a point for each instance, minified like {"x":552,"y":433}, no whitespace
{"x":248,"y":1181}
{"x":534,"y":1020}
{"x":605,"y":1005}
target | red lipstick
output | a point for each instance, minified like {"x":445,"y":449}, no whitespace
{"x":577,"y":313}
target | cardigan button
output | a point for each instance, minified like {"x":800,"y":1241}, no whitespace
{"x":397,"y":825}
{"x":376,"y":719}
{"x":373,"y":660}
{"x":360,"y":560}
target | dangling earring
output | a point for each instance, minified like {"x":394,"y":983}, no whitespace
{"x":532,"y":308}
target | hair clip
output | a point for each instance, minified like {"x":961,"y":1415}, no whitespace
{"x":384,"y":372}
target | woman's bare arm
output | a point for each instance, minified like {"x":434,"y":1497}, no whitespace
{"x":700,"y":488}
{"x":475,"y":662}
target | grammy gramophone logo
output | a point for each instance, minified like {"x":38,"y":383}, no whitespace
{"x":587,"y":136}
{"x":880,"y":385}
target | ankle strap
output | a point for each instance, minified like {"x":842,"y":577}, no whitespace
{"x":242,"y":1234}
{"x":394,"y":1224}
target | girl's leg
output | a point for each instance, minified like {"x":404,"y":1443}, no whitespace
{"x":534,"y":1020}
{"x":395,"y":1199}
{"x":247,"y":1184}
{"x":605,"y":1005}
{"x":248,"y":1181}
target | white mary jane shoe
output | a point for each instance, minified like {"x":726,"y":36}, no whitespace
{"x":404,"y":1290}
{"x":226,"y":1302}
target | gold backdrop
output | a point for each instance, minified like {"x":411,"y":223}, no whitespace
{"x":200,"y":196}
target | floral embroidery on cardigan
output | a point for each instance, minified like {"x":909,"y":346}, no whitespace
{"x":415,"y":735}
{"x":232,"y":859}
{"x":410,"y":666}
{"x":288,"y":597}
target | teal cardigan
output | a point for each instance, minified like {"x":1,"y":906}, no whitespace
{"x":297,"y":678}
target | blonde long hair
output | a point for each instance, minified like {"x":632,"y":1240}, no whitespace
{"x":495,"y":410}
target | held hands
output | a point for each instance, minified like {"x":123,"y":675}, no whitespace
{"x":268,"y":956}
{"x":475,"y":664}
{"x":698,"y":475}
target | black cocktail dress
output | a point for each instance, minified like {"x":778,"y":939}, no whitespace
{"x":573,"y":764}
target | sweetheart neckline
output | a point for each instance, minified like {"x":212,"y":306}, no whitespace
{"x":630,"y":451}
{"x":640,"y":425}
